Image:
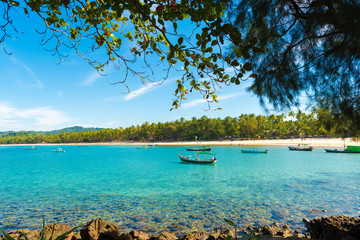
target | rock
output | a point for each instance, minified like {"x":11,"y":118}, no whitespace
{"x":76,"y":236}
{"x":126,"y":236}
{"x":99,"y":229}
{"x":286,"y":232}
{"x":19,"y":234}
{"x":307,"y":223}
{"x":58,"y":230}
{"x":335,"y":228}
{"x":298,"y":234}
{"x":202,"y":235}
{"x":164,"y":236}
{"x":276,"y":231}
{"x":188,"y":236}
{"x":195,"y":236}
{"x":271,"y":230}
{"x":139,"y":235}
{"x":221,"y":234}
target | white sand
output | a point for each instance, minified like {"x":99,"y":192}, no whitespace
{"x":315,"y":142}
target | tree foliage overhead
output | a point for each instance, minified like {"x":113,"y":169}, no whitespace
{"x":150,"y":28}
{"x":311,"y":46}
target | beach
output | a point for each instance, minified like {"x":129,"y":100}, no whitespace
{"x":314,"y":142}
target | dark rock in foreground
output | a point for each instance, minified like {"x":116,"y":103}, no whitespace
{"x":334,"y":228}
{"x":329,"y":228}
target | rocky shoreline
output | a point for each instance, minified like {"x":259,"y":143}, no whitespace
{"x":330,"y":228}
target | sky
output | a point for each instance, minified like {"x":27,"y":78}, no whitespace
{"x":37,"y":93}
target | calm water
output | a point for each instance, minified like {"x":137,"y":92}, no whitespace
{"x":150,"y":189}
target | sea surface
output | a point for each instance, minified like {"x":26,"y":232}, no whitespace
{"x":151,"y":190}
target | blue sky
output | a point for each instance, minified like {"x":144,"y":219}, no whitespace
{"x":36,"y":93}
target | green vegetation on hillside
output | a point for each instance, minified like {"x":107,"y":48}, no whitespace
{"x":245,"y":126}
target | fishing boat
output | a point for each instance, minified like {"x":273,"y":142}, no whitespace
{"x":196,"y":159}
{"x":254,"y":150}
{"x":301,"y":147}
{"x":59,"y":150}
{"x":199,"y":148}
{"x":202,"y":149}
{"x":30,"y":148}
{"x":144,"y":147}
{"x":348,"y":149}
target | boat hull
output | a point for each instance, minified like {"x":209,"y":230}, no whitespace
{"x":199,"y":149}
{"x":254,"y":151}
{"x":300,"y":148}
{"x":340,"y":151}
{"x":197,"y":160}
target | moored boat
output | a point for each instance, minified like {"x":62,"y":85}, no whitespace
{"x":203,"y":149}
{"x":197,"y":159}
{"x":30,"y":148}
{"x":59,"y":150}
{"x":254,"y":150}
{"x":301,"y":147}
{"x":348,"y":149}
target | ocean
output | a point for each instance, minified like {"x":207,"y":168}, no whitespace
{"x":152,"y":190}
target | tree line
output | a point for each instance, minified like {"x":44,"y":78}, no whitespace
{"x":291,"y":125}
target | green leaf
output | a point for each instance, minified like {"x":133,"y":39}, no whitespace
{"x":253,"y":75}
{"x":247,"y":66}
{"x":180,"y":40}
{"x":7,"y":236}
{"x":64,"y":235}
{"x":229,"y":222}
{"x":25,"y":236}
{"x":15,"y":3}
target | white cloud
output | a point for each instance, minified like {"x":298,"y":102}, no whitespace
{"x":42,"y":118}
{"x":35,"y":80}
{"x":145,"y":89}
{"x":148,"y":87}
{"x":197,"y":102}
{"x":193,"y":103}
{"x":91,"y":78}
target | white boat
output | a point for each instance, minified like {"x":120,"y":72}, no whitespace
{"x":59,"y":150}
{"x":30,"y":148}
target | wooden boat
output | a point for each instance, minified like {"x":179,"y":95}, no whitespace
{"x":254,"y":150}
{"x":339,"y":151}
{"x":59,"y":150}
{"x":301,"y":147}
{"x":197,"y":159}
{"x":203,"y":149}
{"x":348,"y":149}
{"x":30,"y":148}
{"x":144,"y":147}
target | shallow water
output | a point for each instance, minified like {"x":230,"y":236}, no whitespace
{"x":150,"y":189}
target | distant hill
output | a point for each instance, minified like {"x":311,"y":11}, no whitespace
{"x":73,"y":129}
{"x":67,"y":130}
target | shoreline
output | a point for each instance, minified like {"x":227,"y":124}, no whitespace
{"x":314,"y":142}
{"x":330,"y":228}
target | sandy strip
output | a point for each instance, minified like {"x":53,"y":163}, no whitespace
{"x":315,"y":142}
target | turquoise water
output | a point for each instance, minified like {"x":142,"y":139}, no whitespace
{"x":150,"y":189}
